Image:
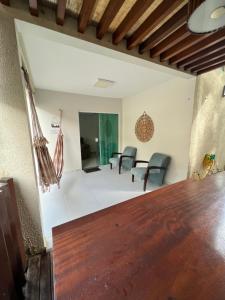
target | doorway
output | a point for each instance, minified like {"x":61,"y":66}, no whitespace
{"x":98,"y":138}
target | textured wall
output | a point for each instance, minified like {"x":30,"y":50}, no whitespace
{"x":170,"y":105}
{"x":208,"y":130}
{"x":15,"y":146}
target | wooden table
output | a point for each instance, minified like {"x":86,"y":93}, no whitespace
{"x":164,"y":245}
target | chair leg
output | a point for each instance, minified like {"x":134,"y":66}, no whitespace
{"x":145,"y":182}
{"x":120,"y":165}
{"x":132,"y":178}
{"x":111,"y":166}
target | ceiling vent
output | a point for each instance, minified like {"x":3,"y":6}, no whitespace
{"x":104,"y":83}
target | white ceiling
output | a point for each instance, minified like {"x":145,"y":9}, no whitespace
{"x":60,"y":63}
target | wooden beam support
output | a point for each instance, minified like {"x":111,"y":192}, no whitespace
{"x":5,"y":2}
{"x":192,"y":5}
{"x":61,"y":10}
{"x":179,"y":35}
{"x":206,"y":59}
{"x":212,"y":39}
{"x":155,"y":18}
{"x":85,"y":14}
{"x":209,"y":64}
{"x":213,"y":67}
{"x":185,"y":44}
{"x":204,"y":53}
{"x":131,"y":18}
{"x":165,"y":30}
{"x":33,"y":6}
{"x":47,"y":19}
{"x":111,"y":11}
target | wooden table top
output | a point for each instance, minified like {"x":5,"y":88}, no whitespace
{"x":165,"y":245}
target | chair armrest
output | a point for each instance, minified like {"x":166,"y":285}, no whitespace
{"x":140,"y":161}
{"x":121,"y":160}
{"x":130,"y":156}
{"x":116,"y":153}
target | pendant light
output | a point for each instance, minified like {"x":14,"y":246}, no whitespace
{"x":209,"y":16}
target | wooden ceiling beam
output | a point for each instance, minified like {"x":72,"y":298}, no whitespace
{"x":33,"y":6}
{"x":61,"y":11}
{"x":206,"y":59}
{"x":85,"y":14}
{"x":208,"y":64}
{"x":192,"y":5}
{"x":191,"y":40}
{"x":212,"y":39}
{"x":155,"y":18}
{"x":165,"y":30}
{"x":176,"y":37}
{"x":210,"y":68}
{"x":204,"y":53}
{"x":5,"y":2}
{"x":110,"y":12}
{"x":131,"y":18}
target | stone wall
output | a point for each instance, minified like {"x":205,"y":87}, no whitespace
{"x":208,"y":130}
{"x":16,"y":158}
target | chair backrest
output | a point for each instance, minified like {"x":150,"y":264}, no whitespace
{"x":158,"y":160}
{"x":128,"y":162}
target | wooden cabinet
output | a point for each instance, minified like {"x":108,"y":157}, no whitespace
{"x":12,"y":255}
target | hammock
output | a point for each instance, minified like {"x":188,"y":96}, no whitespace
{"x":46,"y":170}
{"x":58,"y":155}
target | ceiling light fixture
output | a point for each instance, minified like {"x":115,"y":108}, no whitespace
{"x":104,"y":83}
{"x":209,"y":16}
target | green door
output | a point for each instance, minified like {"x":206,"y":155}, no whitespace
{"x":108,"y":137}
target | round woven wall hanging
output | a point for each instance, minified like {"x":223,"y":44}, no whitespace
{"x":144,"y":128}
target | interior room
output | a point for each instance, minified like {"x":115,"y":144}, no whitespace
{"x":89,"y":136}
{"x":112,"y":149}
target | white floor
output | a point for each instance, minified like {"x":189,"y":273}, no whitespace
{"x":84,"y":193}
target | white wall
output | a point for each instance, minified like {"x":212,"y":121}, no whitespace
{"x":170,"y":105}
{"x":48,"y":103}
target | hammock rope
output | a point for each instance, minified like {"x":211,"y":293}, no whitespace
{"x":58,"y":155}
{"x":46,"y":169}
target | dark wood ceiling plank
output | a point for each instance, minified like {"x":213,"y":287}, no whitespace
{"x":131,"y":18}
{"x":192,"y":5}
{"x":212,"y":39}
{"x":210,"y":68}
{"x":110,"y":12}
{"x":206,"y":59}
{"x":165,"y":30}
{"x":61,"y":10}
{"x":208,"y":64}
{"x":181,"y":46}
{"x":33,"y":6}
{"x":155,"y":18}
{"x":85,"y":14}
{"x":204,"y":53}
{"x":5,"y":2}
{"x":176,"y":37}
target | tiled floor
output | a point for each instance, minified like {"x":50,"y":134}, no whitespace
{"x":81,"y":194}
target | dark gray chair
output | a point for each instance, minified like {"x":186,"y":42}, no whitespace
{"x":124,"y":160}
{"x":155,"y":171}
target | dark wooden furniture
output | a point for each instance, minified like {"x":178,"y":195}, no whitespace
{"x":12,"y":254}
{"x":167,"y":244}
